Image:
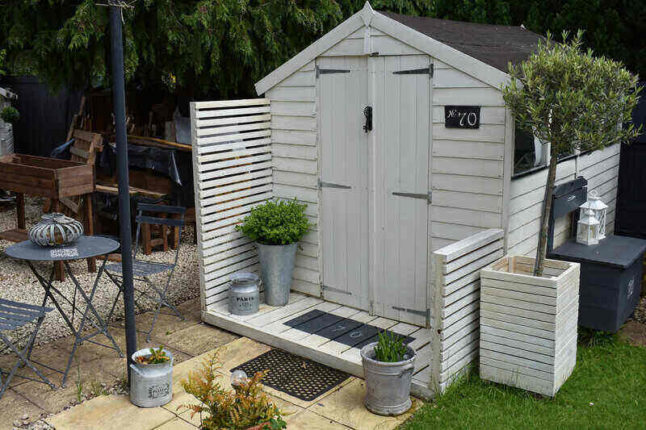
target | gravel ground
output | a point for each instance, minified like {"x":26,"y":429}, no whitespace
{"x":19,"y":284}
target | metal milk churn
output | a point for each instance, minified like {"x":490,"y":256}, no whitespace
{"x":244,"y":295}
{"x":151,"y":385}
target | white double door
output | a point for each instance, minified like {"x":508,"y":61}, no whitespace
{"x":375,"y":207}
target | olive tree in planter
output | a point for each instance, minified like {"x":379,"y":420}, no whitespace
{"x":388,"y":366}
{"x":529,"y":306}
{"x":276,"y":226}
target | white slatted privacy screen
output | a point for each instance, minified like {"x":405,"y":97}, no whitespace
{"x":232,"y":169}
{"x":456,"y":303}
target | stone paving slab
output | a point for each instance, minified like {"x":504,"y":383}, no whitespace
{"x":14,"y":407}
{"x":340,"y":408}
{"x":110,"y":413}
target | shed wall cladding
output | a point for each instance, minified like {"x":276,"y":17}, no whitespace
{"x":295,"y":168}
{"x":599,"y":168}
{"x":466,"y":165}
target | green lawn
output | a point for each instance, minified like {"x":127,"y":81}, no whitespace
{"x":606,"y":391}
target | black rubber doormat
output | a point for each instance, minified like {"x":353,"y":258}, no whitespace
{"x":344,"y":330}
{"x":296,"y":376}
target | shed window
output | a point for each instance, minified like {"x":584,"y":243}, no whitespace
{"x":529,"y":152}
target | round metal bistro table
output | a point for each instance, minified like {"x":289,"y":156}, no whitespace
{"x":84,"y":247}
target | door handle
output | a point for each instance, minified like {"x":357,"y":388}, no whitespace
{"x":428,"y":196}
{"x":367,"y":112}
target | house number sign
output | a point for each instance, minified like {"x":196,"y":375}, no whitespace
{"x":462,"y":116}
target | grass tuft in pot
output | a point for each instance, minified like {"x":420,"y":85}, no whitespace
{"x":390,"y":348}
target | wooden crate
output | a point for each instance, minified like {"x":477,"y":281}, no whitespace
{"x":45,"y":177}
{"x":528,"y":325}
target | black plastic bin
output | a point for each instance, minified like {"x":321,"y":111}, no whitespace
{"x":611,"y":274}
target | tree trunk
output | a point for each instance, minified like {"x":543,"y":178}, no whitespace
{"x":547,"y":208}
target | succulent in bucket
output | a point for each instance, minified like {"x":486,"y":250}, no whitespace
{"x":156,"y":356}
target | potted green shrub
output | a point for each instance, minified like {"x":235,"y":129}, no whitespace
{"x":388,"y":366}
{"x":276,"y":226}
{"x":151,"y":378}
{"x":246,"y":407}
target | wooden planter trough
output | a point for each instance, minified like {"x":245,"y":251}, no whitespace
{"x":46,"y":177}
{"x":528,"y":324}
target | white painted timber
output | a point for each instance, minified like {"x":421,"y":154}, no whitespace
{"x":294,"y":144}
{"x":268,"y":326}
{"x":232,"y":174}
{"x":599,"y":168}
{"x":528,"y":324}
{"x":456,"y":291}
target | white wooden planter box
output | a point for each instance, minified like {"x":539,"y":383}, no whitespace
{"x":528,"y":325}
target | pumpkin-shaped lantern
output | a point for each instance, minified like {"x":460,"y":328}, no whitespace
{"x":599,"y":209}
{"x":587,"y":232}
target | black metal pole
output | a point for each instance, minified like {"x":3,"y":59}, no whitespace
{"x":119,"y":105}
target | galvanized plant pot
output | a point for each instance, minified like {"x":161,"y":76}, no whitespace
{"x":387,"y":384}
{"x":151,"y":385}
{"x":277,"y":266}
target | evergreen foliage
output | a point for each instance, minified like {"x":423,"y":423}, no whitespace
{"x":575,"y":101}
{"x":276,"y":222}
{"x":219,"y":48}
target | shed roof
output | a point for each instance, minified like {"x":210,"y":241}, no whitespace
{"x":481,"y":50}
{"x":496,"y":45}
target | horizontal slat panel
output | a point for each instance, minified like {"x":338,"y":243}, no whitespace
{"x":230,"y":103}
{"x":202,"y":132}
{"x":216,"y":122}
{"x":231,"y":112}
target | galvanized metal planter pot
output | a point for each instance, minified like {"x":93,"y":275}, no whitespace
{"x":387,"y":384}
{"x":55,"y":229}
{"x":151,"y":385}
{"x":528,"y":324}
{"x":277,"y":266}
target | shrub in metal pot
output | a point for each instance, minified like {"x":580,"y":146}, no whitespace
{"x":388,"y":366}
{"x":276,"y":226}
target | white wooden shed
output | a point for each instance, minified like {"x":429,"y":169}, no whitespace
{"x":410,"y":203}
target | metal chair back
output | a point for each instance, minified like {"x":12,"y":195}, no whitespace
{"x":149,"y":214}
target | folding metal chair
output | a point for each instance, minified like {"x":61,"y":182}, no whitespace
{"x":14,"y":315}
{"x":142,"y":269}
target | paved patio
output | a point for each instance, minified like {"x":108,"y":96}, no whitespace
{"x":98,"y":369}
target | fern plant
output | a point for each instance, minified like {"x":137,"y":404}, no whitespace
{"x":390,"y":347}
{"x":276,"y":222}
{"x":247,"y":406}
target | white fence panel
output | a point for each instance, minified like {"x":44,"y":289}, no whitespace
{"x":456,"y":303}
{"x":232,"y":169}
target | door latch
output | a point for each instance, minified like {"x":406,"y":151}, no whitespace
{"x":367,"y":112}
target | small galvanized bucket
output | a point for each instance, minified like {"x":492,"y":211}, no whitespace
{"x":387,"y":384}
{"x":151,"y":385}
{"x":244,"y":295}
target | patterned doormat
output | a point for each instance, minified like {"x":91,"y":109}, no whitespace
{"x":296,"y":376}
